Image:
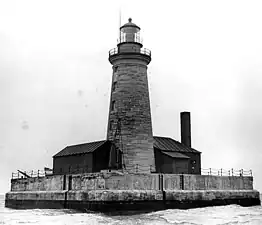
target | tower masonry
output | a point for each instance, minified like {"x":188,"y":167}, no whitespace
{"x":129,"y":121}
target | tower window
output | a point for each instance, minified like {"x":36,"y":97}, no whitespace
{"x":114,"y":86}
{"x":111,"y":125}
{"x":115,"y":68}
{"x":113,"y":105}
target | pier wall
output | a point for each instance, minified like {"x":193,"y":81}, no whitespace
{"x":100,"y":181}
{"x":206,"y":182}
{"x":115,"y":201}
{"x":115,"y":182}
{"x":144,"y":192}
{"x":48,"y":183}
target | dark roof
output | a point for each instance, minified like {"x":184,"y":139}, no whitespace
{"x":175,"y":155}
{"x":169,"y":144}
{"x":81,"y":148}
{"x":130,"y":24}
{"x":162,"y":143}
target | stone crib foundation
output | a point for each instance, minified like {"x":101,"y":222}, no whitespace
{"x":110,"y":192}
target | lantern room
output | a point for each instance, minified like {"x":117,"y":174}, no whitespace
{"x":130,"y":33}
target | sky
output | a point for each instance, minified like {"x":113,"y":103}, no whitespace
{"x":55,"y":77}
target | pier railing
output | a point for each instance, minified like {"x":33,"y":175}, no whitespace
{"x":204,"y":171}
{"x":31,"y":173}
{"x":226,"y":172}
{"x":137,"y":168}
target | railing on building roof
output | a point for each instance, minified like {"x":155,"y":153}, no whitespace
{"x":143,"y":51}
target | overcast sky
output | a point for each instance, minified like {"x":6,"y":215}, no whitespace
{"x":55,"y":77}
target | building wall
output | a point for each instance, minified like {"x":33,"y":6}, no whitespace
{"x":101,"y":158}
{"x":197,"y":166}
{"x":180,"y":166}
{"x":130,"y":102}
{"x":158,"y":160}
{"x":166,"y":164}
{"x":73,"y":164}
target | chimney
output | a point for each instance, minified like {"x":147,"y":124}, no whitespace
{"x":185,"y":128}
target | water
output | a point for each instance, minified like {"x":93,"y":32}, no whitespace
{"x":222,"y":215}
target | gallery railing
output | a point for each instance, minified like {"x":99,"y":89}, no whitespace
{"x":143,"y":51}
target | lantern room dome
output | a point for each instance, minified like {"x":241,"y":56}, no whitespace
{"x":129,"y":25}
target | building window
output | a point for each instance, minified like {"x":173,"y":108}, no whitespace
{"x":193,"y":165}
{"x":113,"y":105}
{"x":115,"y":69}
{"x":114,"y":86}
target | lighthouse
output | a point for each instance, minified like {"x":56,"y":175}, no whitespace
{"x":116,"y":174}
{"x":130,"y":146}
{"x":129,"y":120}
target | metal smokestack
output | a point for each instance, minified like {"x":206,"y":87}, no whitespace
{"x":185,"y":128}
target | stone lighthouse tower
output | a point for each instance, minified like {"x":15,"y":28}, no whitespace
{"x":129,"y":121}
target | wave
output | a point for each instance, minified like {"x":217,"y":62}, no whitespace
{"x":222,"y":215}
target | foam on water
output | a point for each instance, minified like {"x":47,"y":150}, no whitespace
{"x":222,"y":215}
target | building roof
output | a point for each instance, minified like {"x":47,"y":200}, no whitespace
{"x":81,"y":148}
{"x":163,"y":143}
{"x":175,"y":155}
{"x":169,"y":144}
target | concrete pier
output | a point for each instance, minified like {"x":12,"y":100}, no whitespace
{"x":120,"y":200}
{"x":111,"y":192}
